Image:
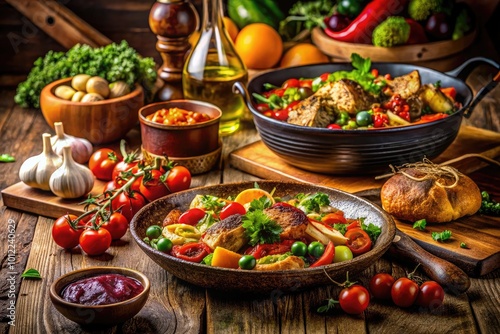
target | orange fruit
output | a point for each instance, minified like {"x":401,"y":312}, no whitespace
{"x":259,"y":46}
{"x":248,"y":195}
{"x":231,"y":28}
{"x":303,"y":54}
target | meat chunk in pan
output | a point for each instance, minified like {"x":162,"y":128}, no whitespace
{"x":227,"y":233}
{"x":292,"y":220}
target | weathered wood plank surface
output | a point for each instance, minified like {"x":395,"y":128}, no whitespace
{"x":175,"y":306}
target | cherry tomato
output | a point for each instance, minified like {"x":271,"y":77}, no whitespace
{"x":324,"y":76}
{"x":334,"y":218}
{"x":358,"y":241}
{"x":291,"y":83}
{"x":130,"y":203}
{"x":64,"y":234}
{"x":404,"y":292}
{"x":192,"y":252}
{"x":354,"y":299}
{"x":178,"y":179}
{"x":342,"y":253}
{"x":95,"y":242}
{"x":123,"y":167}
{"x":116,"y":225}
{"x":334,"y":126}
{"x":262,"y":107}
{"x":232,"y":208}
{"x":380,"y":285}
{"x":102,"y":163}
{"x":306,"y":83}
{"x":431,"y":295}
{"x":281,"y":114}
{"x":109,"y":186}
{"x":191,"y":216}
{"x":152,"y":186}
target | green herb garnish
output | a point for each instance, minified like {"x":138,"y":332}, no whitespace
{"x":31,"y":273}
{"x":420,"y":224}
{"x":312,"y":203}
{"x":441,"y":236}
{"x":7,"y":158}
{"x":372,"y":230}
{"x":463,"y":245}
{"x":260,"y":228}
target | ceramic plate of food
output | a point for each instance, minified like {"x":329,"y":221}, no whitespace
{"x":262,"y":237}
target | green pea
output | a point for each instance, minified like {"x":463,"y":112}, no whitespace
{"x":299,"y":248}
{"x":247,"y":262}
{"x":153,"y":232}
{"x":316,"y":249}
{"x":164,"y":245}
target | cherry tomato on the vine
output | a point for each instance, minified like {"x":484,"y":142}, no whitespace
{"x":102,"y":163}
{"x":232,"y":209}
{"x":381,"y":285}
{"x":354,"y":299}
{"x":123,"y":167}
{"x":404,"y":292}
{"x":130,"y":203}
{"x":178,"y":179}
{"x":116,"y":225}
{"x":64,"y":234}
{"x":152,"y":186}
{"x":431,"y":295}
{"x":95,"y":242}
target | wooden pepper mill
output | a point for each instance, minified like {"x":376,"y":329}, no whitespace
{"x":173,"y":21}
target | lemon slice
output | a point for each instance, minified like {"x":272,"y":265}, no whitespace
{"x":248,"y":195}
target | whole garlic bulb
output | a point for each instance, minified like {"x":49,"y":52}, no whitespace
{"x":71,"y":180}
{"x":81,"y":148}
{"x":36,"y":171}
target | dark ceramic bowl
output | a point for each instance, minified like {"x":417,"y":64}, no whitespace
{"x":357,"y":151}
{"x":251,"y":281}
{"x":100,"y":315}
{"x":180,"y":140}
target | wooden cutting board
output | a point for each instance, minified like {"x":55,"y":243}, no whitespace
{"x":480,"y":233}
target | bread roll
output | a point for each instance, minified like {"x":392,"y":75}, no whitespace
{"x":439,"y":198}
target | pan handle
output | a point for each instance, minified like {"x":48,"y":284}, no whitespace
{"x":463,"y":71}
{"x":239,"y":87}
{"x":445,"y":273}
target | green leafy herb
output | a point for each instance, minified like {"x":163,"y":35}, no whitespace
{"x":489,"y":206}
{"x":372,"y":230}
{"x":7,"y":158}
{"x":205,"y":223}
{"x":420,"y":224}
{"x":260,"y":204}
{"x":342,"y":228}
{"x":329,"y":306}
{"x":310,"y":203}
{"x":463,"y":245}
{"x":112,"y":62}
{"x":31,"y":273}
{"x":260,"y":228}
{"x":305,"y":15}
{"x":211,"y":203}
{"x":441,"y":236}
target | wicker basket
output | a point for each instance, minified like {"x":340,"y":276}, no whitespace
{"x":196,"y":165}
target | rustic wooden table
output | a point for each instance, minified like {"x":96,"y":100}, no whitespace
{"x":176,"y":306}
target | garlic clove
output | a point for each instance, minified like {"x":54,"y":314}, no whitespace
{"x":71,"y":180}
{"x":36,"y":171}
{"x":81,"y":148}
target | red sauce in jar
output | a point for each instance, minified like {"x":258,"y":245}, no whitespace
{"x":102,"y":290}
{"x":178,"y":116}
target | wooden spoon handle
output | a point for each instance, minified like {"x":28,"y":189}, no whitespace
{"x":452,"y":278}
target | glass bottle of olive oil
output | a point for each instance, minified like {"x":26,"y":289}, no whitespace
{"x":213,"y":66}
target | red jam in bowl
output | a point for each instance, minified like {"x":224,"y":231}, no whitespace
{"x":102,"y":290}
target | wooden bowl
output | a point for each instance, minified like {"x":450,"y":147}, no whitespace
{"x":110,"y":314}
{"x":262,"y":282}
{"x":180,"y":141}
{"x":403,"y":53}
{"x":100,"y":122}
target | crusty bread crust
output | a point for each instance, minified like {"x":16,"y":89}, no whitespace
{"x":412,"y":200}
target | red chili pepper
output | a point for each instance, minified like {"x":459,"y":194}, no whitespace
{"x":432,"y":117}
{"x":361,"y":28}
{"x":327,"y":256}
{"x":192,"y":252}
{"x":450,"y":92}
{"x":354,"y":224}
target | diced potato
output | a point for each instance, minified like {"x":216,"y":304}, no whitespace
{"x":435,"y":99}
